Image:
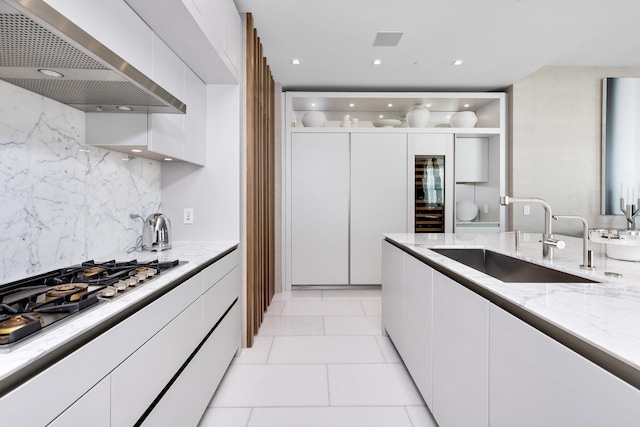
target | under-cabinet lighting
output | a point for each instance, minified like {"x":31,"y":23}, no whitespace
{"x":50,"y":73}
{"x":458,"y":62}
{"x":381,"y":116}
{"x":466,"y":105}
{"x":135,"y":150}
{"x":352,"y":105}
{"x":313,"y":105}
{"x":124,"y":108}
{"x":389,"y":105}
{"x":377,"y":61}
{"x":167,"y":159}
{"x":428,"y":105}
{"x":296,"y":61}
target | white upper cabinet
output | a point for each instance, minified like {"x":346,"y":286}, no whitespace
{"x":115,"y":25}
{"x":206,"y":34}
{"x":472,"y":159}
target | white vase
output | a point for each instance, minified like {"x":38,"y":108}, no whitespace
{"x":418,"y":117}
{"x":314,"y":119}
{"x":463,"y":119}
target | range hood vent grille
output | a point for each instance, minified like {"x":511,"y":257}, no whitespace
{"x":83,"y":92}
{"x":35,"y":36}
{"x":24,"y":43}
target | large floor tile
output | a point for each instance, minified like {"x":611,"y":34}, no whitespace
{"x":330,"y":417}
{"x":358,"y":294}
{"x":258,"y":353}
{"x":421,"y":417}
{"x":323,"y":308}
{"x":372,"y":385}
{"x":353,"y":325}
{"x":325,"y":349}
{"x":225,"y":417}
{"x":272,"y":385}
{"x":292,"y":325}
{"x":275,"y":308}
{"x":372,"y":307}
{"x":388,"y":350}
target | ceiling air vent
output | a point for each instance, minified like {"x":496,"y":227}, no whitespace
{"x":388,"y":38}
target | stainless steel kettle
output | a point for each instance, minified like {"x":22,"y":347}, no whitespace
{"x":156,"y":233}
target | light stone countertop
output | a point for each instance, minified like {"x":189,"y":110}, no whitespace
{"x":41,"y":344}
{"x":605,"y":315}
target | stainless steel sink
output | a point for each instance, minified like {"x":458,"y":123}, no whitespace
{"x":507,"y":268}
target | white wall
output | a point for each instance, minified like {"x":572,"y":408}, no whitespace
{"x":63,"y":202}
{"x":213,"y":191}
{"x":555,"y":145}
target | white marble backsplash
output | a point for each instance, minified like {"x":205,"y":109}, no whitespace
{"x":61,"y":201}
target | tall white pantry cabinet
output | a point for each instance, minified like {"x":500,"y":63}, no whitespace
{"x":343,"y":187}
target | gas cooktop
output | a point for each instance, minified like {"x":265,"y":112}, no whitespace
{"x":30,"y":305}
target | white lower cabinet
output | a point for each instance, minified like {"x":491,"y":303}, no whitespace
{"x":123,"y":372}
{"x":460,"y":355}
{"x":393,"y":293}
{"x":477,"y":365}
{"x":91,"y":409}
{"x":418,"y":322}
{"x":536,"y":381}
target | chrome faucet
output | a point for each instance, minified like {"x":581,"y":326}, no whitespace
{"x":548,"y":242}
{"x":587,"y":262}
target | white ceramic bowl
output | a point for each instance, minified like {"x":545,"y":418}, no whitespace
{"x":314,"y":119}
{"x":387,"y":123}
{"x":463,"y":119}
{"x":466,"y":210}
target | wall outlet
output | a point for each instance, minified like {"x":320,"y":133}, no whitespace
{"x":526,"y":210}
{"x":486,"y":209}
{"x":187,"y":215}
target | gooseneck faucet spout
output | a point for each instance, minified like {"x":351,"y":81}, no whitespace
{"x":548,"y":242}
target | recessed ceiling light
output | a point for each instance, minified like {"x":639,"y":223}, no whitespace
{"x":377,"y":61}
{"x":466,"y":105}
{"x":50,"y":73}
{"x":296,"y":61}
{"x":458,"y":62}
{"x":124,"y":108}
{"x":135,"y":150}
{"x":389,"y":105}
{"x":428,"y":105}
{"x":381,"y":116}
{"x":313,"y":104}
{"x":352,"y":105}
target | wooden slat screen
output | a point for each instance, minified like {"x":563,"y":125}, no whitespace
{"x":260,"y":183}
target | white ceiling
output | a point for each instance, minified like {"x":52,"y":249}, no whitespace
{"x":501,"y":41}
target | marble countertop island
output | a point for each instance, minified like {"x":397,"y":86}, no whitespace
{"x":604,"y":316}
{"x":48,"y":344}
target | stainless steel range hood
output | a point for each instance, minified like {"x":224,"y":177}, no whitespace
{"x":34,"y":36}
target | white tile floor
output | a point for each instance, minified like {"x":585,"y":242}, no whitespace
{"x":320,"y":359}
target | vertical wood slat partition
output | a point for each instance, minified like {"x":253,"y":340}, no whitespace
{"x":260,"y":183}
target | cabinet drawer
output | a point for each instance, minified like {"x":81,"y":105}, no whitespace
{"x":138,"y":380}
{"x":219,"y":269}
{"x":189,"y":395}
{"x":218,"y":299}
{"x":93,"y":406}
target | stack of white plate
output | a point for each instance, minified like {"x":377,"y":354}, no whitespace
{"x":466,"y":210}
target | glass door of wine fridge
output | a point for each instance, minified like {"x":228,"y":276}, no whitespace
{"x":429,"y":194}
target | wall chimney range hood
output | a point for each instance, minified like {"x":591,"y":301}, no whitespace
{"x":34,"y":37}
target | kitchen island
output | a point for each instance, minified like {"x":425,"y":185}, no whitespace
{"x":514,"y":353}
{"x":122,"y":362}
